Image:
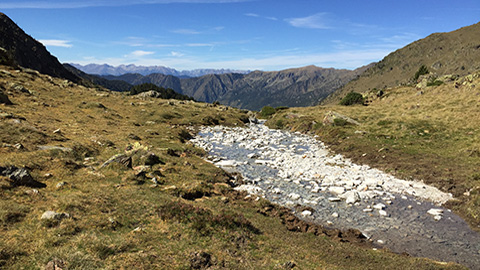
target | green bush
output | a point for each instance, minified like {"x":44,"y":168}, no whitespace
{"x":352,"y":98}
{"x":421,"y":71}
{"x":435,"y":83}
{"x":267,"y":111}
{"x":340,"y":122}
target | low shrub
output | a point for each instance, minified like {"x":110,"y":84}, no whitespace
{"x":352,"y":98}
{"x":267,"y":111}
{"x":203,"y":220}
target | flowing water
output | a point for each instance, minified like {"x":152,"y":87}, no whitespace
{"x":292,"y":169}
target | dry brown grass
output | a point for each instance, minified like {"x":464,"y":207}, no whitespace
{"x":114,"y":218}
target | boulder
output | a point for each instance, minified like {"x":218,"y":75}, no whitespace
{"x":52,"y":215}
{"x":151,"y":159}
{"x":330,"y":117}
{"x":20,"y":177}
{"x":4,"y":99}
{"x":120,"y":158}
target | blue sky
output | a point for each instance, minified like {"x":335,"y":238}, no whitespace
{"x":236,"y":34}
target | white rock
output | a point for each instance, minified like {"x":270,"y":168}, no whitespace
{"x":294,"y":196}
{"x":379,"y":206}
{"x":367,"y":210}
{"x":226,"y":163}
{"x":336,"y":190}
{"x":335,"y":215}
{"x":306,"y":213}
{"x":50,"y":215}
{"x":382,"y":213}
{"x":435,"y":211}
{"x":352,"y":197}
{"x":334,"y":199}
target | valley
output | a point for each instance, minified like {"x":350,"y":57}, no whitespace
{"x":97,"y":174}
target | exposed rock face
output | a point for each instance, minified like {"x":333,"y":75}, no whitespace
{"x":23,"y":50}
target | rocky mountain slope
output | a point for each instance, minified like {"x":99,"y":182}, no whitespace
{"x":146,"y":70}
{"x":18,"y":48}
{"x":292,"y":87}
{"x":456,"y":52}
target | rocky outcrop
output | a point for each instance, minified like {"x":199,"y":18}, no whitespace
{"x":19,"y":177}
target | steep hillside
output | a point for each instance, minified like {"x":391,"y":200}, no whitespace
{"x":456,"y":52}
{"x":29,"y":53}
{"x":292,"y":87}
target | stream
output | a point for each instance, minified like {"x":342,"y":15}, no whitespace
{"x":294,"y":169}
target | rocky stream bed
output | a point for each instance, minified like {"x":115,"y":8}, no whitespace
{"x":292,"y":169}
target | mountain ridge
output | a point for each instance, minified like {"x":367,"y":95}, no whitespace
{"x":456,"y":52}
{"x":106,"y":69}
{"x":293,"y":87}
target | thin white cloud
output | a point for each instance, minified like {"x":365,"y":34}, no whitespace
{"x":255,"y":15}
{"x":61,"y":4}
{"x":140,"y":53}
{"x":176,"y":54}
{"x":186,"y":31}
{"x":316,"y":21}
{"x":56,"y":43}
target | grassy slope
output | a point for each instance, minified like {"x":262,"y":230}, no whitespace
{"x":432,"y":135}
{"x":119,"y":220}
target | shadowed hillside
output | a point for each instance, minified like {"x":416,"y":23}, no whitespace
{"x":22,"y":50}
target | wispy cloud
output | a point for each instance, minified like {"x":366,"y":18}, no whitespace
{"x":176,"y":54}
{"x":316,"y":21}
{"x":255,"y":15}
{"x":140,"y":53}
{"x":56,"y":43}
{"x":186,"y":31}
{"x":61,"y":4}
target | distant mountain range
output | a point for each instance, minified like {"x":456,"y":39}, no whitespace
{"x":147,"y":70}
{"x":292,"y":87}
{"x":456,"y":52}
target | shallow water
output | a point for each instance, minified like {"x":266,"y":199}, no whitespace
{"x":405,"y":226}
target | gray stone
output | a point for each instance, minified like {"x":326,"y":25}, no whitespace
{"x":20,"y":177}
{"x":52,"y":215}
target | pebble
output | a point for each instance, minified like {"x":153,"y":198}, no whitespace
{"x":306,"y":213}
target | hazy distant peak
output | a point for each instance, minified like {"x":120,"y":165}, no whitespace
{"x":105,"y":69}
